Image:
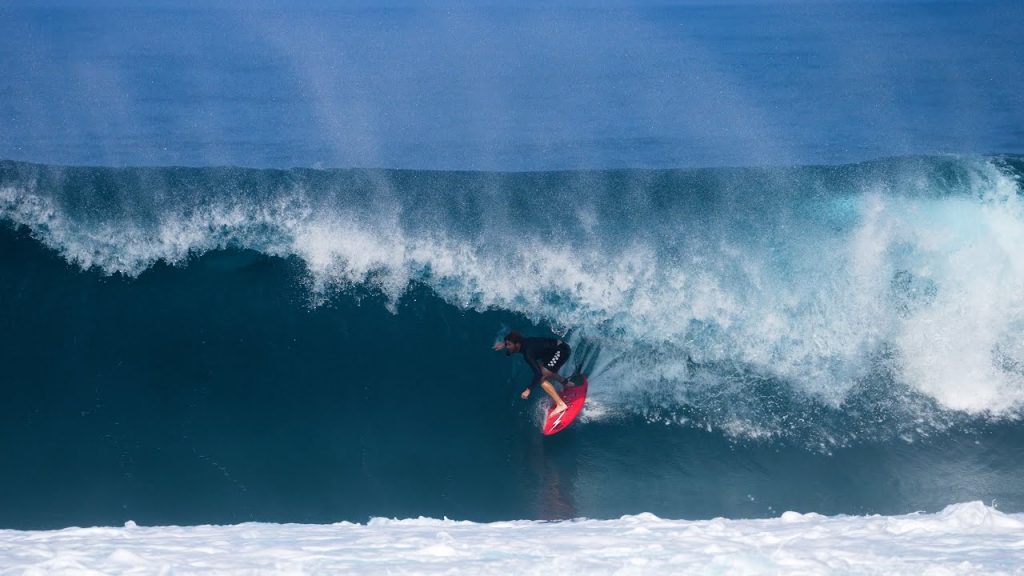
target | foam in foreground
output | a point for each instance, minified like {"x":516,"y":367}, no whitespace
{"x":961,"y":539}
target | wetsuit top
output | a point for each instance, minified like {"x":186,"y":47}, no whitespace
{"x":546,"y":352}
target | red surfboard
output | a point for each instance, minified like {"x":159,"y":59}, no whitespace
{"x":574,"y":397}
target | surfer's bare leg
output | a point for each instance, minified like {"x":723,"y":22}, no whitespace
{"x":560,"y":405}
{"x":555,"y":377}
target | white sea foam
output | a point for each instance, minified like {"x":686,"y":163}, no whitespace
{"x":965,"y":538}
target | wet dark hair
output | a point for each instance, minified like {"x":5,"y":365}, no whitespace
{"x":514,"y":337}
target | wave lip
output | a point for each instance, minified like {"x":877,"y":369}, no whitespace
{"x":961,"y":539}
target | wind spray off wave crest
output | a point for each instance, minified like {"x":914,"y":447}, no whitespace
{"x":816,"y":301}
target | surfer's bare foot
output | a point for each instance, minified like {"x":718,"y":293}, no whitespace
{"x":559,"y":409}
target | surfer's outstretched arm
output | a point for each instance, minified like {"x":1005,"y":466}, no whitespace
{"x":537,"y":376}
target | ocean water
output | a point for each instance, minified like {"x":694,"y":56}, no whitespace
{"x":253,"y":259}
{"x":194,"y":345}
{"x":496,"y":85}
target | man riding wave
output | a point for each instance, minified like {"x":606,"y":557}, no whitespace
{"x":544,"y":356}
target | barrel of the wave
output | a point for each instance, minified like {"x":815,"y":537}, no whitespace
{"x":574,"y":397}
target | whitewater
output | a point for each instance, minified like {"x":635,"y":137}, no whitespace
{"x":968,"y":538}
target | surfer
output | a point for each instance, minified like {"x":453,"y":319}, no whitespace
{"x":545,"y":356}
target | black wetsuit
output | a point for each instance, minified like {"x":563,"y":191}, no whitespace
{"x":546,"y":352}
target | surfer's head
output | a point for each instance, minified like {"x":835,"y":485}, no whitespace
{"x":513,"y":342}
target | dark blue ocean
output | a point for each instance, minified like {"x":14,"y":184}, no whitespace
{"x":253,"y":258}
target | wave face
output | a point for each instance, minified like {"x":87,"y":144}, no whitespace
{"x":818,"y":308}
